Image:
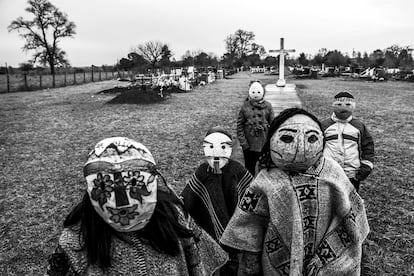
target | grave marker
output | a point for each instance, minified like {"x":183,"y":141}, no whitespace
{"x":282,"y":95}
{"x":281,"y":82}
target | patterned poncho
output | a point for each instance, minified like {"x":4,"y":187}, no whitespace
{"x":305,"y":224}
{"x":212,"y":198}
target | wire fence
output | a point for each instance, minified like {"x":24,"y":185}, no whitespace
{"x":36,"y":80}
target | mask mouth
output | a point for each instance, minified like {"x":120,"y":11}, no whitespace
{"x":217,"y":163}
{"x":343,"y":114}
{"x":256,"y":98}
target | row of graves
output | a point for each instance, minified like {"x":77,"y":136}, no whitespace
{"x":150,"y":88}
{"x":375,"y":74}
{"x":315,"y":72}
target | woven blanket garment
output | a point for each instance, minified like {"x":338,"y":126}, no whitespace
{"x":132,"y":255}
{"x":304,"y":224}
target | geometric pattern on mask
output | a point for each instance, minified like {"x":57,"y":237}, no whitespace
{"x":104,"y":186}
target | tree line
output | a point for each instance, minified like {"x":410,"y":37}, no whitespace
{"x":49,"y":25}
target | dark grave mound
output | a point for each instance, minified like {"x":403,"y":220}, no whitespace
{"x":136,"y":95}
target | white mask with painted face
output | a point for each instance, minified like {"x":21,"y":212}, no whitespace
{"x":297,"y":144}
{"x":256,"y":91}
{"x":217,"y":149}
{"x":121,"y":183}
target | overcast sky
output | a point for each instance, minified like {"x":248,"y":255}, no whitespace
{"x":107,"y":29}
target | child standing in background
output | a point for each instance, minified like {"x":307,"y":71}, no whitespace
{"x":348,"y":140}
{"x":253,"y":123}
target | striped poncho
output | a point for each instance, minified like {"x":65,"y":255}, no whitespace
{"x":212,"y":198}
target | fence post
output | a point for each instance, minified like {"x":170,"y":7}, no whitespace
{"x":25,"y":81}
{"x":64,"y":77}
{"x":113,"y":75}
{"x":106,"y":75}
{"x":40,"y":80}
{"x":8,"y":79}
{"x":84,"y":77}
{"x":92,"y":79}
{"x":100,"y":75}
{"x":74,"y":77}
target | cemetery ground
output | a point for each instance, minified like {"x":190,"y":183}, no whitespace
{"x":46,"y":135}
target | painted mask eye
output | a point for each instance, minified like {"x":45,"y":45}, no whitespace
{"x":223,"y":147}
{"x":312,"y":139}
{"x":211,"y":146}
{"x":286,"y":138}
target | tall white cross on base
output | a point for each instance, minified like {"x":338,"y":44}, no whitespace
{"x":281,"y":82}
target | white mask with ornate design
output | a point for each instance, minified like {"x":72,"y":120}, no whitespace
{"x":122,"y":185}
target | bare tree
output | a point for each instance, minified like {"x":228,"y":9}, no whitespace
{"x":231,"y":44}
{"x":152,"y":51}
{"x":240,"y":45}
{"x":244,"y":41}
{"x":43,"y":33}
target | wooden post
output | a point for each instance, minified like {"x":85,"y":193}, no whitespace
{"x":100,"y":76}
{"x":8,"y":79}
{"x":25,"y":81}
{"x":74,"y":77}
{"x":40,"y":80}
{"x":106,"y":75}
{"x":84,"y":77}
{"x":64,"y":77}
{"x":113,"y":74}
{"x":92,"y":74}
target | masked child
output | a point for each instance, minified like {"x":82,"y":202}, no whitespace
{"x":348,"y":140}
{"x":130,"y":222}
{"x":253,"y":123}
{"x":300,"y":215}
{"x":212,"y":193}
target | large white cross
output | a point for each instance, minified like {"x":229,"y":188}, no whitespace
{"x":281,"y":82}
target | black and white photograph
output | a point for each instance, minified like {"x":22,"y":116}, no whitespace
{"x":206,"y":138}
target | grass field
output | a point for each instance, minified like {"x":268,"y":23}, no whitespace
{"x":46,"y":136}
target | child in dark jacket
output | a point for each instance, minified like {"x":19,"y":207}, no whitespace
{"x":253,"y":123}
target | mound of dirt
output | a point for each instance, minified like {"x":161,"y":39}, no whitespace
{"x":135,"y":95}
